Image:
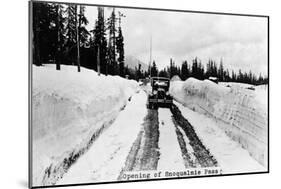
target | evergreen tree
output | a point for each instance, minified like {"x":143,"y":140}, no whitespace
{"x":163,"y":73}
{"x":233,"y":76}
{"x":221,"y":72}
{"x":38,"y":21}
{"x":120,"y":51}
{"x":82,"y":23}
{"x":200,"y":71}
{"x":195,"y":68}
{"x":154,"y":70}
{"x":81,"y":31}
{"x":70,"y":52}
{"x":138,"y":72}
{"x":184,"y":70}
{"x":226,"y":76}
{"x":173,"y":70}
{"x":126,"y":70}
{"x":59,"y":41}
{"x":113,"y":67}
{"x":46,"y":24}
{"x":100,"y":42}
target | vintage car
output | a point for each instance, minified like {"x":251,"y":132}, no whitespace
{"x":159,"y":96}
{"x":214,"y":79}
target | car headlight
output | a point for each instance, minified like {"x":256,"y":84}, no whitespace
{"x":154,"y":92}
{"x":167,"y":93}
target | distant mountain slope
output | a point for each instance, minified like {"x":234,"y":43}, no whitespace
{"x":133,"y":62}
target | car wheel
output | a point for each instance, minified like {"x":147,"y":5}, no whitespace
{"x":149,"y":105}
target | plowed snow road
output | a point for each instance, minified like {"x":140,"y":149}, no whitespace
{"x":170,"y":151}
{"x":141,"y":139}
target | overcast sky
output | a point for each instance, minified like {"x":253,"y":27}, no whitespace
{"x":241,"y":42}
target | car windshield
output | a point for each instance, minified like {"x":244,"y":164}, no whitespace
{"x":161,"y":83}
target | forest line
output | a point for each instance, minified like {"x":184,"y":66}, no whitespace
{"x":60,"y":37}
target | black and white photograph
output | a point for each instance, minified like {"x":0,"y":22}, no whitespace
{"x":123,"y":94}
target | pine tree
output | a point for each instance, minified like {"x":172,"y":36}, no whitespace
{"x":163,"y":73}
{"x":184,"y":71}
{"x":120,"y":46}
{"x":200,"y":71}
{"x":82,"y":23}
{"x":154,"y":70}
{"x":112,"y":44}
{"x":37,"y":17}
{"x":45,"y":32}
{"x":195,"y":68}
{"x":220,"y":72}
{"x":138,"y":72}
{"x":120,"y":51}
{"x":126,"y":71}
{"x":173,"y":69}
{"x":226,"y":76}
{"x":77,"y":21}
{"x":71,"y":11}
{"x":100,"y":42}
{"x":81,"y":31}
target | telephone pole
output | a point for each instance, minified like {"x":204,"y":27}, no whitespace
{"x":119,"y":19}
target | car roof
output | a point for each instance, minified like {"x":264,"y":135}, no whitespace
{"x":160,"y":78}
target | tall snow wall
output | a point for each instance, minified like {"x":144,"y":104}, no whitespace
{"x":238,"y":111}
{"x":68,"y":109}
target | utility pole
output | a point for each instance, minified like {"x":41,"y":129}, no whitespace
{"x":119,"y":19}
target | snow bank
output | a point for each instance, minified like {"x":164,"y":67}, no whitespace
{"x":230,"y":156}
{"x":176,"y":78}
{"x":107,"y":156}
{"x":242,"y":113}
{"x":68,"y":108}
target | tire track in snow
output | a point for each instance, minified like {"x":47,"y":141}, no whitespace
{"x":190,"y":160}
{"x":144,"y":153}
{"x":55,"y":172}
{"x":104,"y":160}
{"x":167,"y":141}
{"x":202,"y":154}
{"x":150,"y":156}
